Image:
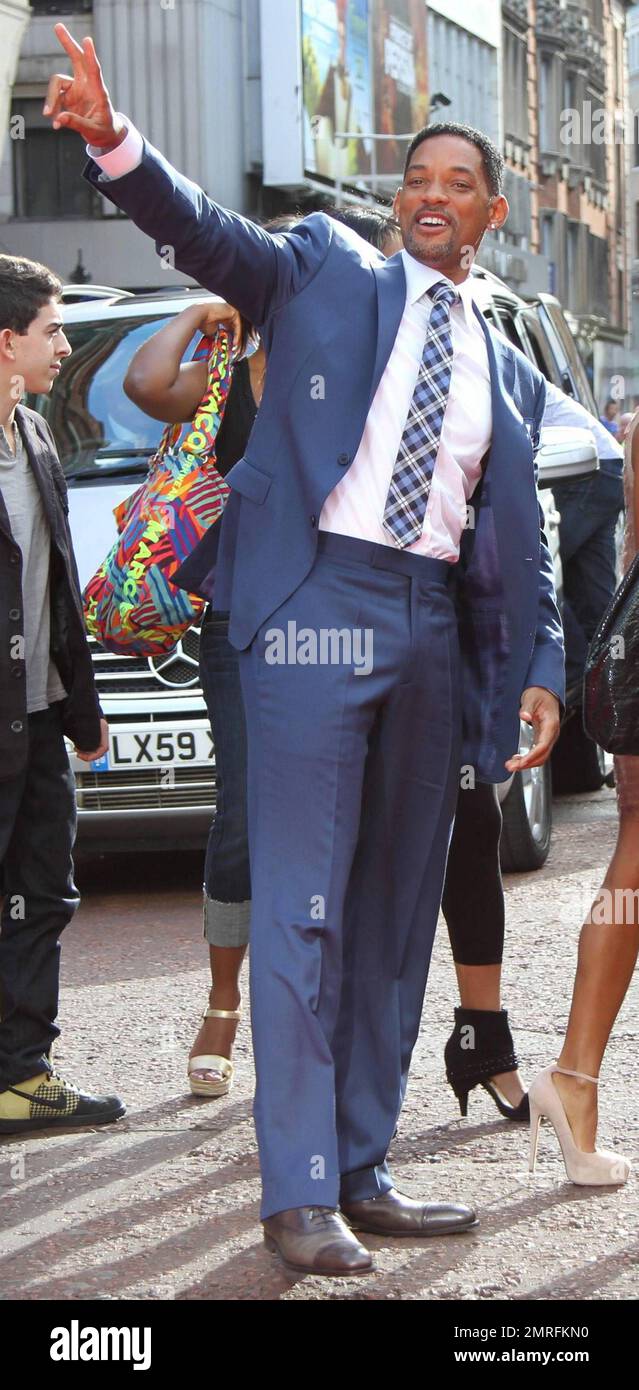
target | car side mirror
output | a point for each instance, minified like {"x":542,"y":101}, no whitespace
{"x":566,"y":453}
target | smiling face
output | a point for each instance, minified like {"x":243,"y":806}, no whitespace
{"x":445,"y":205}
{"x":35,"y":357}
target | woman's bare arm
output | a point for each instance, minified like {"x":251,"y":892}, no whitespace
{"x":158,"y":381}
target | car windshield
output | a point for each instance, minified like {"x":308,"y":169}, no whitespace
{"x":99,"y":432}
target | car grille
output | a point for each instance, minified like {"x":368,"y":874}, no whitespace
{"x":146,"y":789}
{"x":132,"y":675}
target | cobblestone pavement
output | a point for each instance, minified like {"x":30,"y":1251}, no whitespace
{"x":164,"y":1205}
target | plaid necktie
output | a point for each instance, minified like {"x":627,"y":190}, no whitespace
{"x":412,"y":475}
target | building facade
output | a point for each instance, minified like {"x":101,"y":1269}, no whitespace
{"x":14,"y":17}
{"x":583,"y":165}
{"x":241,"y":96}
{"x":632,"y":390}
{"x":482,"y":61}
{"x":176,"y":67}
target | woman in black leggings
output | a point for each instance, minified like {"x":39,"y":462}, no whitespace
{"x":480,"y":1050}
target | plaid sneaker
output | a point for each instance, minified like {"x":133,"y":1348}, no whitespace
{"x":48,"y":1102}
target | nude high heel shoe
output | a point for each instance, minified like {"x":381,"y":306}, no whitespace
{"x":599,"y":1169}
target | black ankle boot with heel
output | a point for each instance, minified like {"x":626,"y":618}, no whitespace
{"x":480,"y":1047}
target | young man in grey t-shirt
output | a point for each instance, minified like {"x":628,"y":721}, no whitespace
{"x":46,"y":691}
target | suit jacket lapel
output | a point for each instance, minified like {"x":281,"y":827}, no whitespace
{"x":390,"y":281}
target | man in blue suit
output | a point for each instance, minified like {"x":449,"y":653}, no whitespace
{"x":382,"y":560}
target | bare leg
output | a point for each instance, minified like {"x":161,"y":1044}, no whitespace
{"x":480,"y":988}
{"x":217,"y":1035}
{"x":606,"y":960}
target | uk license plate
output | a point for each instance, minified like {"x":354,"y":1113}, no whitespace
{"x":159,"y":747}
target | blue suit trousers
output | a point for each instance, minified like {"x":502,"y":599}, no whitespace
{"x":353,"y":771}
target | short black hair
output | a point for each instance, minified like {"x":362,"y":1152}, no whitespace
{"x":374,"y":224}
{"x":284,"y":222}
{"x":25,"y":287}
{"x":492,"y":158}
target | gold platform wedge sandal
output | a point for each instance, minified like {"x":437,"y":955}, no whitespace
{"x":222,"y":1068}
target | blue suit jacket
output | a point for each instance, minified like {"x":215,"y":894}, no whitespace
{"x":329,"y":307}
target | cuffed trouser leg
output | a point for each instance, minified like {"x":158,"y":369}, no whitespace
{"x":226,"y":924}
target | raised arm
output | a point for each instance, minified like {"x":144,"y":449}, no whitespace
{"x":227,"y":253}
{"x":158,"y":381}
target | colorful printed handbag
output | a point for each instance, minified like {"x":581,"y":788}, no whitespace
{"x":130,"y":605}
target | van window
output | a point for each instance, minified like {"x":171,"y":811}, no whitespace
{"x":573,"y":379}
{"x":538,"y":347}
{"x":509,"y":328}
{"x":99,"y":432}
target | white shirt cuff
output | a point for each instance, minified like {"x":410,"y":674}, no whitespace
{"x":122,"y":160}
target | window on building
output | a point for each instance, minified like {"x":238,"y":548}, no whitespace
{"x":549,"y":248}
{"x":572,"y":105}
{"x":47,"y":167}
{"x":546,"y":228}
{"x":597,"y":276}
{"x":61,"y":6}
{"x":633,"y":52}
{"x":548,"y":137}
{"x":619,"y":41}
{"x":515,"y":86}
{"x":596,"y":15}
{"x":596,"y":147}
{"x":573,"y":279}
{"x":621,"y":299}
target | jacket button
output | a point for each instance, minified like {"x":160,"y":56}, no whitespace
{"x":17,"y":671}
{"x":14,"y":614}
{"x":17,"y":726}
{"x":313,"y":521}
{"x":343,"y":460}
{"x":13,"y":558}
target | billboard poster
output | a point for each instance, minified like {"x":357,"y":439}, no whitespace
{"x":337,"y":88}
{"x":400,"y":76}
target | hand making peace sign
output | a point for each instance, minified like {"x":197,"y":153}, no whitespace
{"x":82,"y":102}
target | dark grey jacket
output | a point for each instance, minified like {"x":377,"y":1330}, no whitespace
{"x":69,"y":647}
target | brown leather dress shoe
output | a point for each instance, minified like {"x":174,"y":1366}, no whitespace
{"x":315,"y":1240}
{"x":397,"y":1215}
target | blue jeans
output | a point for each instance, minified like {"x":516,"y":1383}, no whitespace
{"x":589,"y":511}
{"x":227,"y":883}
